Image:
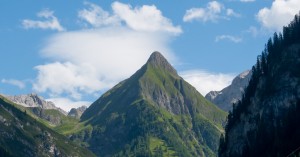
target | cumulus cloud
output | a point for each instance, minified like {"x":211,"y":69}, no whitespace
{"x":17,"y":83}
{"x":205,"y":81}
{"x":50,"y":22}
{"x":89,"y":61}
{"x":212,"y":12}
{"x":279,"y":14}
{"x":228,"y":37}
{"x":67,"y":104}
{"x":145,"y":18}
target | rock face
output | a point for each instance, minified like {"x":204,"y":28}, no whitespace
{"x":21,"y":135}
{"x":153,"y":113}
{"x":267,"y":121}
{"x":33,"y":100}
{"x":231,"y":94}
{"x":77,"y":112}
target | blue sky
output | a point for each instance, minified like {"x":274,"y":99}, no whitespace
{"x":70,"y":52}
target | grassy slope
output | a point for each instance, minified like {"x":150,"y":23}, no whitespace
{"x":22,"y":135}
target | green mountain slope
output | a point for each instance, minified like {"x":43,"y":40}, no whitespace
{"x":54,"y":119}
{"x":22,"y":135}
{"x":153,"y":113}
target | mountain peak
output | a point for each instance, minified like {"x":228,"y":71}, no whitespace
{"x":156,"y":103}
{"x":157,"y":60}
{"x":156,"y":55}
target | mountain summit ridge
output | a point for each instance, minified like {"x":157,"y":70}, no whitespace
{"x":157,"y":60}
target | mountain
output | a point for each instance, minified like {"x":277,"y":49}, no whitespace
{"x":22,"y":135}
{"x":230,"y":94}
{"x":33,"y":100}
{"x":266,"y":122}
{"x":77,"y":112}
{"x":152,"y":113}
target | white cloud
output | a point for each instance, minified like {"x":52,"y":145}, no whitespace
{"x":228,"y":37}
{"x":14,"y":82}
{"x":231,"y":12}
{"x":212,"y":12}
{"x":97,"y":17}
{"x":68,"y":104}
{"x":279,"y":14}
{"x":247,"y":0}
{"x":50,"y":22}
{"x":68,"y":78}
{"x":205,"y":81}
{"x":145,"y":18}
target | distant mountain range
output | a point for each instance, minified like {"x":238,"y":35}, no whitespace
{"x":231,"y":94}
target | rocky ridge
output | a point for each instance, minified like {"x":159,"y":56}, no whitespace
{"x":33,"y":100}
{"x":77,"y":112}
{"x":230,"y":94}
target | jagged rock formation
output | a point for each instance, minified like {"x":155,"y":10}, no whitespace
{"x":231,"y":94}
{"x":21,"y":135}
{"x":77,"y":112}
{"x":33,"y":100}
{"x":152,"y":113}
{"x":266,"y":121}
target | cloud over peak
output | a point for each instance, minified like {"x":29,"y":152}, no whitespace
{"x":89,"y":61}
